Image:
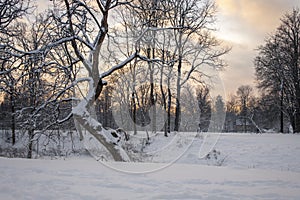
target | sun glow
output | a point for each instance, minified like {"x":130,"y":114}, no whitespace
{"x":1,"y":97}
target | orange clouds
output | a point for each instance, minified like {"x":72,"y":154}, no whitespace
{"x":245,"y":24}
{"x":262,"y":15}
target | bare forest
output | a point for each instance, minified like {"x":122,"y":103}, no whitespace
{"x":103,"y":70}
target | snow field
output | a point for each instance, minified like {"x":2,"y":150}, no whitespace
{"x":86,"y":179}
{"x":254,"y":166}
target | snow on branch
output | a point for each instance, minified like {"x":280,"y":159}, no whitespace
{"x":157,"y":60}
{"x":129,"y":59}
{"x":20,"y":53}
{"x":155,"y":29}
{"x":119,"y":66}
{"x":70,"y":115}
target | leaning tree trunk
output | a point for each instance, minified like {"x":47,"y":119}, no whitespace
{"x":83,"y":116}
{"x":94,"y":128}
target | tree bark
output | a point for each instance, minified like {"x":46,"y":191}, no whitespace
{"x":134,"y":99}
{"x":281,"y":110}
{"x":112,"y":148}
{"x":297,"y":113}
{"x":163,"y":96}
{"x":178,"y":96}
{"x":13,"y":120}
{"x":169,"y":110}
{"x":30,"y":143}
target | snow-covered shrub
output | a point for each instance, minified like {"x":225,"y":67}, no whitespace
{"x":50,"y":143}
{"x":215,"y":158}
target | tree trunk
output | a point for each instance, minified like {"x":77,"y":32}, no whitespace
{"x":152,"y":102}
{"x":89,"y":125}
{"x":134,"y":113}
{"x":169,"y":110}
{"x":281,"y":111}
{"x":163,"y":95}
{"x":30,"y":143}
{"x":13,"y":120}
{"x":297,"y":113}
{"x":178,"y":109}
{"x":297,"y":107}
{"x":134,"y":101}
{"x":177,"y":115}
{"x":245,"y":124}
{"x":152,"y":96}
{"x":297,"y":122}
{"x":295,"y":61}
{"x":153,"y":22}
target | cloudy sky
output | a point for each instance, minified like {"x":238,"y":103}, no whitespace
{"x":244,"y":24}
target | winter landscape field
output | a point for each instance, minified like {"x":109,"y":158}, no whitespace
{"x":149,"y":99}
{"x":240,"y":166}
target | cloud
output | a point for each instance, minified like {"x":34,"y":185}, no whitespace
{"x":260,"y":14}
{"x":244,"y":25}
{"x":240,"y":70}
{"x":43,"y":5}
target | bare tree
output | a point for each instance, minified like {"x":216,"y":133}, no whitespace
{"x":87,"y":43}
{"x":266,"y":113}
{"x":205,"y":107}
{"x":194,"y":44}
{"x":11,"y":11}
{"x":86,"y":28}
{"x":219,"y":113}
{"x":38,"y":76}
{"x":244,"y":93}
{"x":277,"y":67}
{"x":41,"y":79}
{"x":143,"y":26}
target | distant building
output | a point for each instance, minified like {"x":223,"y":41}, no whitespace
{"x":244,"y":125}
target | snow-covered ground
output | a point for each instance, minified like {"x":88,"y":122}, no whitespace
{"x":263,"y":151}
{"x":263,"y":166}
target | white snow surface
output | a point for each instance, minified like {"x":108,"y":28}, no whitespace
{"x":263,"y":166}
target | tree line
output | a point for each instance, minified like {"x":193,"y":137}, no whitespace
{"x":241,"y":112}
